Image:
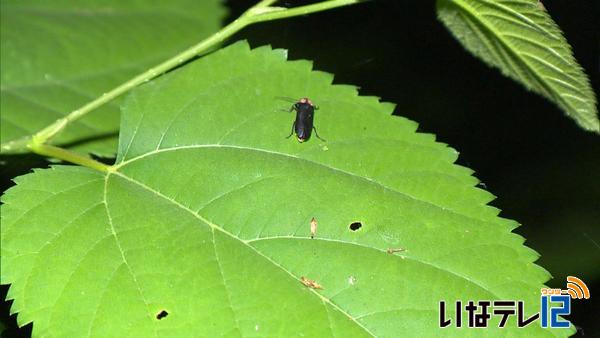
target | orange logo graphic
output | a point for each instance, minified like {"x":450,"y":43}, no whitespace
{"x":576,"y":288}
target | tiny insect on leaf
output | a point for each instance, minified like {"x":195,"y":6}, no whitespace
{"x":313,"y":227}
{"x":310,"y":283}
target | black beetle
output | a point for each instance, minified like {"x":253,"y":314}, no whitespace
{"x":303,"y":124}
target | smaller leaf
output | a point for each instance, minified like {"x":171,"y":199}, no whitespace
{"x":520,"y":38}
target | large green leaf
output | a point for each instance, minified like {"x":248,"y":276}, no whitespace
{"x":206,"y":216}
{"x":522,"y":40}
{"x":59,"y":55}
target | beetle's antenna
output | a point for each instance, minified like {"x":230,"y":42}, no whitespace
{"x":286,"y":98}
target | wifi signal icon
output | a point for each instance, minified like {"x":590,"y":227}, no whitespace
{"x":577,"y":288}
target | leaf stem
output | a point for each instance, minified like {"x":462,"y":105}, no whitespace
{"x":69,"y":156}
{"x":262,"y":11}
{"x":280,"y":12}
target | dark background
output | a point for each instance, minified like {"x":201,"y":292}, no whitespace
{"x":544,"y":169}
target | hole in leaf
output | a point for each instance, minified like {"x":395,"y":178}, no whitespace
{"x":162,"y":314}
{"x":355,"y":226}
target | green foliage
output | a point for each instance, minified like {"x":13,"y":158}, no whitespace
{"x":57,"y":56}
{"x":522,"y":40}
{"x":206,"y":215}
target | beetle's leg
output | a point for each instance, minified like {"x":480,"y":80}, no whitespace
{"x":293,"y":127}
{"x":316,"y":107}
{"x":317,"y":134}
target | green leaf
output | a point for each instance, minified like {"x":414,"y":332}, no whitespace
{"x":207,"y":216}
{"x":522,"y":40}
{"x":57,"y":56}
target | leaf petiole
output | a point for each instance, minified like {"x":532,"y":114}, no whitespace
{"x":69,"y":156}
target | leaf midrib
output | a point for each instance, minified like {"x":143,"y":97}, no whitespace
{"x":338,"y":170}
